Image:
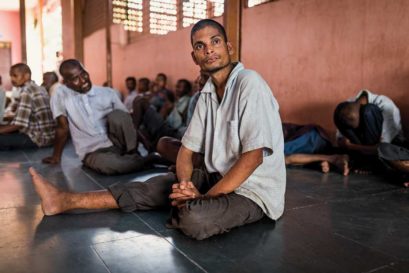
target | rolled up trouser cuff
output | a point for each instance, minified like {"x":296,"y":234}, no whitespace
{"x":122,"y":197}
{"x":151,"y":194}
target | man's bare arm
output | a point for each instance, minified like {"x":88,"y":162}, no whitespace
{"x":184,"y":164}
{"x":363,"y":149}
{"x":6,"y":129}
{"x":241,"y":170}
{"x":61,"y":136}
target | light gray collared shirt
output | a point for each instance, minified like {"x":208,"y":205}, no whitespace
{"x":246,"y":119}
{"x":86,"y":114}
{"x":128,"y":102}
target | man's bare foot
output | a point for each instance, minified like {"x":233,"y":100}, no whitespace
{"x":325,"y":166}
{"x":51,"y":197}
{"x":362,"y":171}
{"x":341,"y":162}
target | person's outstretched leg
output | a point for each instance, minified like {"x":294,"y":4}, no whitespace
{"x":128,"y":197}
{"x":55,"y":201}
{"x":340,"y":161}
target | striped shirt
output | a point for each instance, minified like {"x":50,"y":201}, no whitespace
{"x":34,"y":115}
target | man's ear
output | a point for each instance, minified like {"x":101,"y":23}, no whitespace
{"x":194,"y":58}
{"x":230,"y":48}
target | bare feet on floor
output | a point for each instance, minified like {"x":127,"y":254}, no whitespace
{"x":342,"y":163}
{"x":325,"y":166}
{"x":339,"y":161}
{"x":362,"y":171}
{"x":51,"y":197}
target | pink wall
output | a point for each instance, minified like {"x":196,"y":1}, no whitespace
{"x":10,"y":32}
{"x":313,"y":53}
{"x":316,"y":53}
{"x":149,"y":56}
{"x":95,"y":56}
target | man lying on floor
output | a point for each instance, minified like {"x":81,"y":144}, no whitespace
{"x":101,"y":127}
{"x":236,"y":124}
{"x":303,"y":144}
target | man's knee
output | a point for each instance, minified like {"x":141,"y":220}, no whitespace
{"x":194,"y":224}
{"x":163,"y":144}
{"x":118,"y":116}
{"x":100,"y":167}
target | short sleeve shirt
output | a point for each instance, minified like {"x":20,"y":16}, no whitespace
{"x":128,"y":102}
{"x":86,"y":114}
{"x":246,"y":119}
{"x":391,"y":126}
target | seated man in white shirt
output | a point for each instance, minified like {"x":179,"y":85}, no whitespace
{"x":101,"y":127}
{"x":236,"y":124}
{"x":130,"y":83}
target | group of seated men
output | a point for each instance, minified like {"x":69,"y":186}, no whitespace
{"x":225,"y":137}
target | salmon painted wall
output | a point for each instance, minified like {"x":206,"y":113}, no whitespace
{"x":10,"y":32}
{"x":95,"y":56}
{"x":169,"y":54}
{"x":315,"y":54}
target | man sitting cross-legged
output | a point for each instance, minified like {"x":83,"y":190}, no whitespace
{"x":32,"y":125}
{"x":101,"y":127}
{"x":236,"y":124}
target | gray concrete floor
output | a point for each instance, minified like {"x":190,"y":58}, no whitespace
{"x":331,"y":224}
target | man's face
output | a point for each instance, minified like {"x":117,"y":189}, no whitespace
{"x":160,"y":82}
{"x":210,"y":50}
{"x":48,"y":81}
{"x":143,"y":86}
{"x":180,"y":89}
{"x":18,"y":78}
{"x":130,"y":85}
{"x":77,"y":79}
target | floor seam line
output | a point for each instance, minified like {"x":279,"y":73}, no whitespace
{"x":26,"y":156}
{"x":116,"y":240}
{"x":93,"y":180}
{"x":376,"y":269}
{"x":369,"y":247}
{"x":102,"y":260}
{"x":178,"y":249}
